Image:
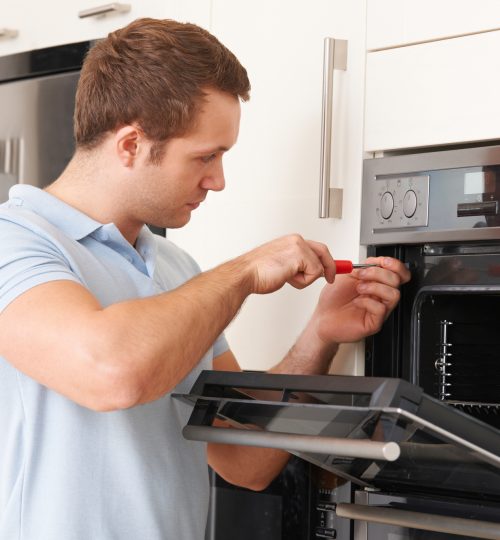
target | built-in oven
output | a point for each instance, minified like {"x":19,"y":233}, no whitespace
{"x":412,"y":450}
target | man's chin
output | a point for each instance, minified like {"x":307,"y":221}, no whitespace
{"x":179,"y":222}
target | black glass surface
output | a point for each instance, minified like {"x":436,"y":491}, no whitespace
{"x":46,"y":61}
{"x":442,"y":449}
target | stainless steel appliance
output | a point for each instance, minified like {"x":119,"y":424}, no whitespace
{"x":433,"y":376}
{"x":37,"y":97}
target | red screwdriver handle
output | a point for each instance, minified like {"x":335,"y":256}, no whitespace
{"x":343,"y":267}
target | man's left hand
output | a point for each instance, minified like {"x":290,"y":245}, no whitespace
{"x":356,"y":305}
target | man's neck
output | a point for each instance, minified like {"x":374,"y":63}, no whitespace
{"x":89,"y":185}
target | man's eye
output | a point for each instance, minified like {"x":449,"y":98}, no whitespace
{"x":208,"y":159}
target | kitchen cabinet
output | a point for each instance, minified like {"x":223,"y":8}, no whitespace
{"x":35,"y":25}
{"x":436,"y":93}
{"x":15,"y":27}
{"x":272,"y":174}
{"x":393,"y":23}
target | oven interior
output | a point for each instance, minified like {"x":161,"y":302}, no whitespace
{"x":455,"y":327}
{"x":459,"y":351}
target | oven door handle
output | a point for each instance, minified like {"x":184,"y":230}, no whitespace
{"x":355,"y":448}
{"x":420,"y":520}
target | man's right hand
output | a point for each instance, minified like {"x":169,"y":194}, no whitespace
{"x":289,"y":259}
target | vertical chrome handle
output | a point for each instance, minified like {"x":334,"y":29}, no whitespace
{"x":114,"y":7}
{"x":6,"y":33}
{"x":10,"y":156}
{"x":335,"y":57}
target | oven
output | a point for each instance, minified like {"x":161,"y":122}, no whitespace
{"x":411,"y":450}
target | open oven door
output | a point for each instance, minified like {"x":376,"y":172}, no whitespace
{"x":379,"y":433}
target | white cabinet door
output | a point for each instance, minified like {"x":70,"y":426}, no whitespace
{"x":393,"y":23}
{"x":433,"y":94}
{"x":272,"y":174}
{"x":56,"y":22}
{"x":65,"y":25}
{"x":15,"y":28}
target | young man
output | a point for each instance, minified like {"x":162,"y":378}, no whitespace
{"x":100,"y":319}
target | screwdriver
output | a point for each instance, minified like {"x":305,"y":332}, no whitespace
{"x":346,"y":267}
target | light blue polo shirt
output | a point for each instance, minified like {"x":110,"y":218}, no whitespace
{"x":67,"y":472}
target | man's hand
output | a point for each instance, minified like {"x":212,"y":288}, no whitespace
{"x":357,"y":305}
{"x":289,"y":259}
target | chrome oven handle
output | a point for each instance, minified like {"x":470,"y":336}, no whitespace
{"x":356,"y":448}
{"x":114,"y":7}
{"x":335,"y":57}
{"x":420,"y":520}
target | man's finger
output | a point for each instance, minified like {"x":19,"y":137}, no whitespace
{"x":324,"y":255}
{"x":394,"y":265}
{"x":384,"y":293}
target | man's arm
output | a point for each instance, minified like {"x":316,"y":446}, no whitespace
{"x":354,"y":307}
{"x":135,"y":351}
{"x":250,"y":467}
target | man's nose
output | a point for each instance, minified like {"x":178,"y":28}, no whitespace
{"x":215,"y":181}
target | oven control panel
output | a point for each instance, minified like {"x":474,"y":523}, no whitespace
{"x":431,"y":196}
{"x":401,"y":202}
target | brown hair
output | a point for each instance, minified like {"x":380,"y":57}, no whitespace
{"x":154,"y":73}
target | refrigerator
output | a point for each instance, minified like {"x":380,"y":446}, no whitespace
{"x":37,"y":97}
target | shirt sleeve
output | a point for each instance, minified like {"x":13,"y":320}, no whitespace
{"x":220,"y":346}
{"x":26,"y":260}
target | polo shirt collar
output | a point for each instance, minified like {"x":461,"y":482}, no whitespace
{"x":77,"y":225}
{"x":66,"y":218}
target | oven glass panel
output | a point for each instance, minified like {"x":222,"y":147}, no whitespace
{"x":441,"y":448}
{"x":428,"y":460}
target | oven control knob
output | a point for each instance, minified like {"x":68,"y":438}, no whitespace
{"x":386,"y":205}
{"x":409,"y":203}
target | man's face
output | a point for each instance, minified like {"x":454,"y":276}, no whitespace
{"x":191,"y":165}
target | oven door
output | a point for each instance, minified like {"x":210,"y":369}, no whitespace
{"x":382,"y":434}
{"x":385,"y":516}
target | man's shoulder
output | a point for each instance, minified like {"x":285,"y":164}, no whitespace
{"x":22,"y":228}
{"x":22,"y":218}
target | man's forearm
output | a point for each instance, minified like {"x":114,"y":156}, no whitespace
{"x":164,"y":337}
{"x":309,"y":355}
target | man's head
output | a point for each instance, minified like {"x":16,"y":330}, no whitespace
{"x":154,"y":74}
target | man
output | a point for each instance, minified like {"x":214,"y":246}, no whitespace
{"x":100,"y":319}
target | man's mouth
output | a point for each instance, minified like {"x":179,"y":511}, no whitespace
{"x":195,"y":204}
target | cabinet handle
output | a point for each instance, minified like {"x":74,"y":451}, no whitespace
{"x":6,"y":33}
{"x":420,"y":520}
{"x":335,"y":57}
{"x":114,"y":7}
{"x":356,"y":448}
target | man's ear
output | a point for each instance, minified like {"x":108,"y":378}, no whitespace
{"x":129,"y":142}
